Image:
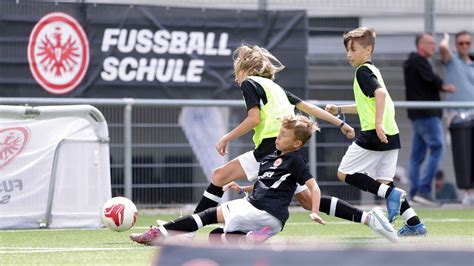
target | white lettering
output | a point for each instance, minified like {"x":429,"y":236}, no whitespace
{"x":161,"y":39}
{"x":110,"y":69}
{"x":222,"y":48}
{"x":210,"y":50}
{"x":126,"y":45}
{"x":178,"y":42}
{"x":144,"y":43}
{"x":144,"y":69}
{"x":178,"y":70}
{"x":148,"y":69}
{"x":164,"y":72}
{"x":109,"y":39}
{"x":195,"y":70}
{"x":266,"y":175}
{"x":123,"y":68}
{"x":196,"y":43}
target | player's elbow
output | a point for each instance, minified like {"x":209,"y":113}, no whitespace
{"x":380,"y":92}
{"x":254,"y":121}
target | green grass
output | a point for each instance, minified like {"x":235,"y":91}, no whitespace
{"x":102,"y":246}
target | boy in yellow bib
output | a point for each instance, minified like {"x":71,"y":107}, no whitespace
{"x":371,"y":160}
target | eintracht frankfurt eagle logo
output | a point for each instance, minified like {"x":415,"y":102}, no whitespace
{"x":12,"y":143}
{"x":58,"y":53}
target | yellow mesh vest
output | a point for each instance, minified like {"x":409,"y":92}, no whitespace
{"x":366,"y":106}
{"x":277,"y":106}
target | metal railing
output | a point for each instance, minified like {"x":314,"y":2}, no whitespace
{"x":130,"y":181}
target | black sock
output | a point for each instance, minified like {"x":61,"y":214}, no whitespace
{"x":218,"y":237}
{"x":366,"y":183}
{"x":405,"y":206}
{"x":190,"y":223}
{"x":342,"y":209}
{"x":205,"y":202}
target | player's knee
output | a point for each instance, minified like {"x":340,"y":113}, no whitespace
{"x":218,"y":178}
{"x":341,"y":176}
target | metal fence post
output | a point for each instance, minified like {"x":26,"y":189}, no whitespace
{"x":127,"y":149}
{"x":430,"y":17}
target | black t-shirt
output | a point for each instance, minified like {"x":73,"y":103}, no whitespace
{"x":367,"y":80}
{"x":368,"y":83}
{"x":421,"y":84}
{"x":277,"y":179}
{"x":254,"y":95}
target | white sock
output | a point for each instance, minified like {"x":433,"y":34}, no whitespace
{"x":383,"y":190}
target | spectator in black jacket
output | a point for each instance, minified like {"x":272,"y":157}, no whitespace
{"x":422,"y":84}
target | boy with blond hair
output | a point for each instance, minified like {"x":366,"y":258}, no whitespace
{"x":267,"y":206}
{"x":371,"y":160}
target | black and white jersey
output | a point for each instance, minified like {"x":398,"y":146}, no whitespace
{"x":277,"y":179}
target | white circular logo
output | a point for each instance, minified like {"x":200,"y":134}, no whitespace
{"x":58,"y":53}
{"x":277,"y":162}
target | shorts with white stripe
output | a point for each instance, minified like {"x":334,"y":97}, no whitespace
{"x":240,"y":215}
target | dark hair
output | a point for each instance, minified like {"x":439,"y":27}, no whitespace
{"x":463,"y":32}
{"x":364,"y":36}
{"x":439,"y":175}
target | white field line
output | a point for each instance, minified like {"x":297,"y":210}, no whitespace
{"x":17,"y":250}
{"x":445,"y":220}
{"x":23,"y":250}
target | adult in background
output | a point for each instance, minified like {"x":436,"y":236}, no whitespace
{"x":458,"y":67}
{"x":422,"y":84}
{"x":459,"y":70}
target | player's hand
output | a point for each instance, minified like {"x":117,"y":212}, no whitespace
{"x":315,"y":217}
{"x":232,"y":185}
{"x":348,"y":131}
{"x":449,"y":88}
{"x":445,"y":38}
{"x":221,"y":146}
{"x":331,"y":108}
{"x":381,"y":133}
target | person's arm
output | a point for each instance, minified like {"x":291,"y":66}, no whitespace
{"x":380,"y":95}
{"x":444,"y":49}
{"x":337,"y":109}
{"x":426,"y":73}
{"x":316,"y":199}
{"x":250,"y":122}
{"x":324,"y":115}
{"x":304,"y":199}
{"x":236,"y":188}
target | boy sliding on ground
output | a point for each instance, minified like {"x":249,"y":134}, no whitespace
{"x":267,"y":207}
{"x":332,"y":206}
{"x":370,"y":161}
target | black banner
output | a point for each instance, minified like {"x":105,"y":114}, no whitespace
{"x":114,"y":51}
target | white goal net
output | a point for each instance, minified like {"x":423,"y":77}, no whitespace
{"x":54,"y":166}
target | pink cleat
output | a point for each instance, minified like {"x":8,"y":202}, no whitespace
{"x":148,"y":237}
{"x":259,"y":236}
